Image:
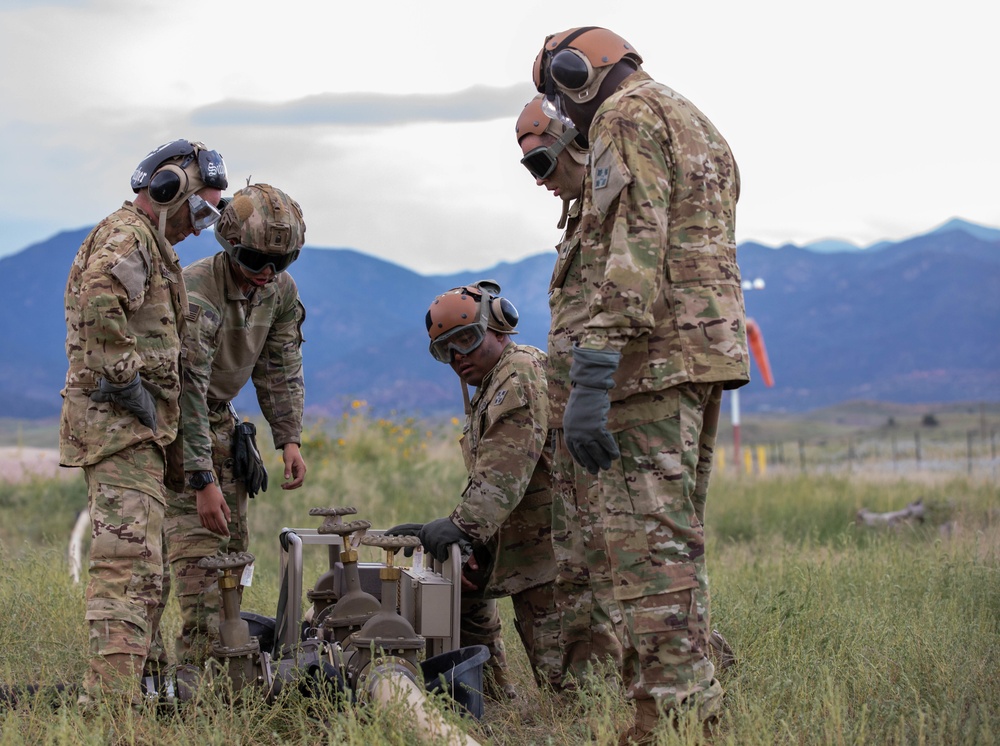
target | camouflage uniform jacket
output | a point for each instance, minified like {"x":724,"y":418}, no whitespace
{"x":124,"y":316}
{"x":230,"y":339}
{"x":658,"y":247}
{"x":507,"y":503}
{"x":569,"y":314}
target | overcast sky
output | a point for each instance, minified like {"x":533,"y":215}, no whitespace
{"x":392,"y":122}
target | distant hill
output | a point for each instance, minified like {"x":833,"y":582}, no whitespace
{"x":908,"y":322}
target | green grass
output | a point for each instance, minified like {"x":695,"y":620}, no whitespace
{"x":844,"y":634}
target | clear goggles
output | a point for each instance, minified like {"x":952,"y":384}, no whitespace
{"x":203,"y":214}
{"x":461,"y":340}
{"x":542,"y":161}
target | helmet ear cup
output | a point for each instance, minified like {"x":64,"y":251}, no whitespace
{"x":169,"y":182}
{"x":504,"y":314}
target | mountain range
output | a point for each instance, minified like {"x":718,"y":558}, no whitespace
{"x":909,"y":321}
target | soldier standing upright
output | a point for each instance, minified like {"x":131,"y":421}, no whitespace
{"x":125,"y":306}
{"x":660,"y":332}
{"x":244,"y":322}
{"x":584,"y":597}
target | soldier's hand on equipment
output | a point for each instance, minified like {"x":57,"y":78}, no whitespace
{"x":132,"y":396}
{"x":212,"y":509}
{"x":438,"y":536}
{"x":472,"y":566}
{"x":295,"y":467}
{"x":406,"y":529}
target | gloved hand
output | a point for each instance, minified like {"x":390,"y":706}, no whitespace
{"x":436,"y":537}
{"x":132,"y":396}
{"x":585,"y":422}
{"x":406,"y":529}
{"x":248,"y":466}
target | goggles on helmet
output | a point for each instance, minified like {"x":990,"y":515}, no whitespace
{"x":256,"y":261}
{"x":542,"y":161}
{"x":203,"y":214}
{"x":462,"y":340}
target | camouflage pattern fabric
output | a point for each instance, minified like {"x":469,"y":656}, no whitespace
{"x":658,"y":248}
{"x":479,"y":624}
{"x":507,"y":503}
{"x":584,"y":597}
{"x":654,"y":528}
{"x":197,"y":590}
{"x":124,"y":306}
{"x":539,"y":626}
{"x":569,"y":314}
{"x":590,"y":617}
{"x":125,"y":302}
{"x":129,"y":581}
{"x":655,"y":278}
{"x":232,"y":339}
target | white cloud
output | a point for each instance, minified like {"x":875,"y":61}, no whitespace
{"x":392,"y":123}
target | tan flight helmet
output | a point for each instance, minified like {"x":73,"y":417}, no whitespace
{"x":458,"y":319}
{"x":577,"y":60}
{"x":262,"y":226}
{"x":534,"y":121}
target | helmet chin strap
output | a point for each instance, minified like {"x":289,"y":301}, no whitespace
{"x":161,"y":224}
{"x":465,"y":397}
{"x":565,"y":214}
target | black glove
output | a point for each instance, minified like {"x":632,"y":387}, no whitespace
{"x":248,"y":466}
{"x":585,"y":422}
{"x":406,"y":529}
{"x":132,"y":396}
{"x":436,"y":536}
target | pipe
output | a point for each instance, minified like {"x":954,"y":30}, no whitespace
{"x":386,"y":686}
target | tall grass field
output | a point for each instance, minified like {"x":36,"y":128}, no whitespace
{"x":844,"y":634}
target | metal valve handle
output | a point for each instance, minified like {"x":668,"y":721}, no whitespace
{"x":390,"y":543}
{"x":226,"y":561}
{"x":345,"y":529}
{"x":332,"y":511}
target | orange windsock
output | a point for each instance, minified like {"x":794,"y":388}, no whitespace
{"x":759,"y":352}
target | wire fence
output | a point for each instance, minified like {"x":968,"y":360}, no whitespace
{"x":903,"y":453}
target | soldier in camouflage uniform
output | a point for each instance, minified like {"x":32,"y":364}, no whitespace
{"x":659,"y":334}
{"x":584,"y":596}
{"x":244,"y":322}
{"x":125,"y":305}
{"x":505,"y":517}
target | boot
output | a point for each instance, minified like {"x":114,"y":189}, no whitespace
{"x":497,"y":686}
{"x":647,"y":715}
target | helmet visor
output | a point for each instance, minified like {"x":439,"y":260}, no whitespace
{"x":203,"y":215}
{"x":461,"y":340}
{"x":542,"y":161}
{"x":257,"y":261}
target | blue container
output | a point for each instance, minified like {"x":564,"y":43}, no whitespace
{"x":459,"y":673}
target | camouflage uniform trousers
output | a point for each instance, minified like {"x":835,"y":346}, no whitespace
{"x":188,"y":541}
{"x":129,"y":579}
{"x":653,"y":502}
{"x":590,"y":617}
{"x":537,"y":621}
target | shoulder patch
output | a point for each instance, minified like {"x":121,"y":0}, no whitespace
{"x":609,"y":175}
{"x":498,"y":399}
{"x":193,"y":312}
{"x":132,"y":271}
